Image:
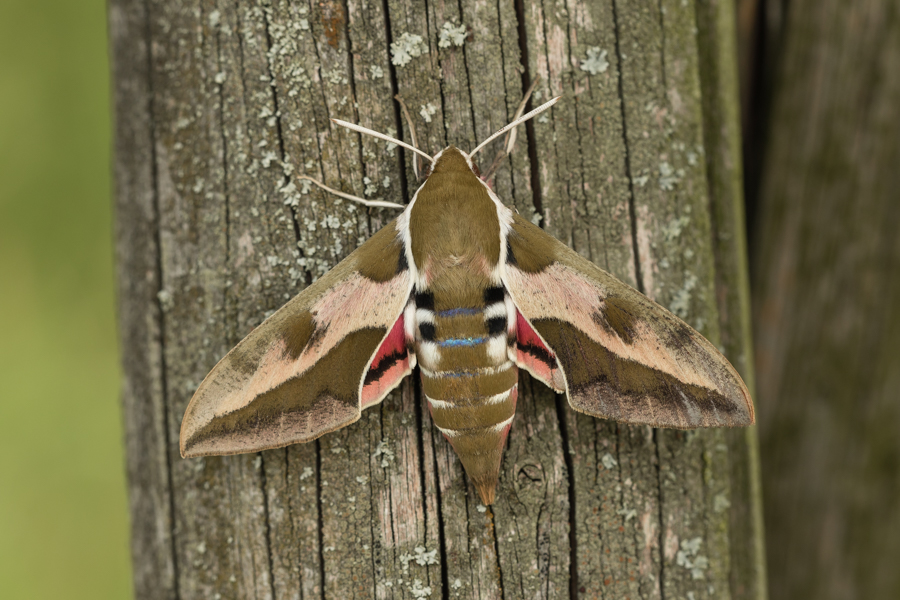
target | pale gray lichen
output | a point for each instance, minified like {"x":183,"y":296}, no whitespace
{"x":291,"y":197}
{"x":673,"y":229}
{"x":425,"y":557}
{"x":452,"y":35}
{"x":688,"y":558}
{"x":268,"y":158}
{"x":371,"y":188}
{"x":376,"y":72}
{"x":427,"y":111}
{"x":418,"y":590}
{"x":628,"y":513}
{"x":384,"y":451}
{"x":668,"y":176}
{"x":165,"y":300}
{"x":681,"y":303}
{"x":608,"y":461}
{"x":596,"y":62}
{"x":406,"y":48}
{"x":336,"y":76}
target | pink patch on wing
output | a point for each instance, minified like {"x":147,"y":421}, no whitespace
{"x":534,"y":356}
{"x":390,"y":365}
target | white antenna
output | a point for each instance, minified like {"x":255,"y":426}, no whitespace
{"x":382,"y":136}
{"x":515,"y":123}
{"x":363,"y":201}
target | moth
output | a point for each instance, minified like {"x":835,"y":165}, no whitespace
{"x":470,"y":292}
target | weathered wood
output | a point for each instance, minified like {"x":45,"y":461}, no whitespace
{"x":721,"y":113}
{"x":827,"y":302}
{"x":222,"y":104}
{"x":140,"y":318}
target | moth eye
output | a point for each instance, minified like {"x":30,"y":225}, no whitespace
{"x":476,"y":170}
{"x":427,"y":331}
{"x":496,"y":325}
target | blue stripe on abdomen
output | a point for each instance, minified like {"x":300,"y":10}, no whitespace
{"x":457,"y":342}
{"x":455,"y":312}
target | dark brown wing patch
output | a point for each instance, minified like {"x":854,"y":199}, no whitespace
{"x":298,"y":410}
{"x":620,"y":316}
{"x":298,"y":333}
{"x":385,"y":256}
{"x":603,"y":385}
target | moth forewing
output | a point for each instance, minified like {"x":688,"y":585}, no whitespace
{"x":278,"y":385}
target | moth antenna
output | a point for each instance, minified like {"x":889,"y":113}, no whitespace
{"x":511,"y":135}
{"x":382,"y":136}
{"x":516,"y":123}
{"x":412,"y":131}
{"x":363,"y":201}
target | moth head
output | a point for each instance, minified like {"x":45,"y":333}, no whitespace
{"x":452,"y":160}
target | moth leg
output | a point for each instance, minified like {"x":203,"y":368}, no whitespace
{"x":363,"y":201}
{"x":412,"y":131}
{"x":510,"y":140}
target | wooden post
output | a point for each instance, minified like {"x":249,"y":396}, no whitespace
{"x":221,"y":104}
{"x":827,"y":305}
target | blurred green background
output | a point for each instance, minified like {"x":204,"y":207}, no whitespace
{"x":63,"y":506}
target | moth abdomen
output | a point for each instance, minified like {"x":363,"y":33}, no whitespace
{"x":477,"y":428}
{"x":469,"y":375}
